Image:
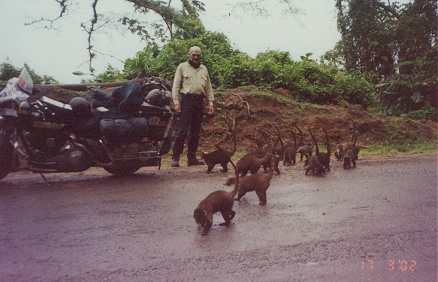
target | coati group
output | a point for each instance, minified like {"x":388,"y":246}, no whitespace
{"x":268,"y":157}
{"x":222,"y":201}
{"x":217,"y":201}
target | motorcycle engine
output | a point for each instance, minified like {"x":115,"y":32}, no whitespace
{"x":74,"y":160}
{"x":71,"y":160}
{"x":49,"y":142}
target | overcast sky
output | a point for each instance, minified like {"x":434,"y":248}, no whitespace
{"x":60,"y":52}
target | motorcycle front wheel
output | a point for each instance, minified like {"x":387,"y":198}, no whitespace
{"x":6,"y":153}
{"x":123,"y":168}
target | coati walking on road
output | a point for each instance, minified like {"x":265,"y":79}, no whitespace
{"x":305,"y":150}
{"x":219,"y":156}
{"x":349,"y":156}
{"x":313,"y":163}
{"x":277,"y":158}
{"x":251,"y":162}
{"x":342,"y":148}
{"x":324,"y":158}
{"x":218,"y":201}
{"x":290,"y":152}
{"x":257,"y":182}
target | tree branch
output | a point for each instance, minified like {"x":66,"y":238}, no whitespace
{"x":386,"y":8}
{"x":90,"y":31}
{"x":63,"y":4}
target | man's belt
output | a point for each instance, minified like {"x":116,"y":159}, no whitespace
{"x":193,"y":96}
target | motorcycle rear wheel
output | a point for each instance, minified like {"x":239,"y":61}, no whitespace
{"x":122,"y":169}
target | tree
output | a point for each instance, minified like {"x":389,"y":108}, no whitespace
{"x":262,"y":7}
{"x":156,"y":21}
{"x":395,"y":46}
{"x":162,"y":61}
{"x":367,"y":29}
{"x":176,"y":20}
{"x":8,"y":71}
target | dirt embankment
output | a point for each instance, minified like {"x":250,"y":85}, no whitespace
{"x":255,"y":110}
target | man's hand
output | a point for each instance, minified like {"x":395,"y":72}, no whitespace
{"x":210,"y":110}
{"x":177,"y":108}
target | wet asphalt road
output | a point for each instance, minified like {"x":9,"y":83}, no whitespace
{"x":377,"y":222}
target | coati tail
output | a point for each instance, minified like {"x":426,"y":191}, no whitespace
{"x":314,"y":141}
{"x":236,"y":183}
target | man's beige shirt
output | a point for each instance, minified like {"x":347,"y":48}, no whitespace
{"x":190,"y":80}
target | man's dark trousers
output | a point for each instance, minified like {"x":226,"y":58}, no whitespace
{"x":190,"y":120}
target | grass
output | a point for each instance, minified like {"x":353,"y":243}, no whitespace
{"x":408,"y":148}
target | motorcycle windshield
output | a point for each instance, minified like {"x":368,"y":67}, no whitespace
{"x":12,"y":92}
{"x":17,"y":88}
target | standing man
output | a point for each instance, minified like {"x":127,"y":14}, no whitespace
{"x":190,"y":86}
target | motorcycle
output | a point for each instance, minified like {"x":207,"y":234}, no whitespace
{"x":119,"y":132}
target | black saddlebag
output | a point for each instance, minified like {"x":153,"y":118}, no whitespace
{"x":116,"y":132}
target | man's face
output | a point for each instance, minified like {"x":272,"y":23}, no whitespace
{"x":195,"y":55}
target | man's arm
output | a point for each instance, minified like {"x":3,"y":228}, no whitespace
{"x":176,"y":87}
{"x":210,"y":96}
{"x":209,"y":91}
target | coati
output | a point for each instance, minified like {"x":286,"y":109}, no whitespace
{"x":217,"y":201}
{"x":337,"y":153}
{"x":219,"y":156}
{"x":349,"y":156}
{"x":267,"y":164}
{"x":313,"y":163}
{"x":256,"y":182}
{"x":251,"y":162}
{"x":344,"y":147}
{"x":290,"y":152}
{"x":324,"y":158}
{"x":273,"y":154}
{"x":305,"y":150}
{"x":357,"y":147}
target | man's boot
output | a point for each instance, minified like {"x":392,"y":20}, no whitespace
{"x":195,"y":161}
{"x":175,"y":163}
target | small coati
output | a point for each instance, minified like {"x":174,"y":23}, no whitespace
{"x":357,"y":147}
{"x":256,"y":182}
{"x":324,"y":158}
{"x":217,"y":201}
{"x":219,"y":156}
{"x":305,"y":150}
{"x":344,"y":147}
{"x":251,"y":162}
{"x":277,"y":158}
{"x":350,"y":157}
{"x":313,"y":163}
{"x":338,"y":154}
{"x":290,"y":152}
{"x":267,"y":164}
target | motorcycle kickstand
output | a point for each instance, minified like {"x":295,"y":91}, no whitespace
{"x":45,"y":179}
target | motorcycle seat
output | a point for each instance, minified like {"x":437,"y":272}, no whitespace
{"x":51,"y":103}
{"x":63,"y":112}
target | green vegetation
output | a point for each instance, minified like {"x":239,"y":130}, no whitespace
{"x":408,"y":148}
{"x":394,"y":46}
{"x":7,"y":71}
{"x":386,"y":60}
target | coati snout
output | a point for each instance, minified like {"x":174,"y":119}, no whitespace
{"x":199,"y":216}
